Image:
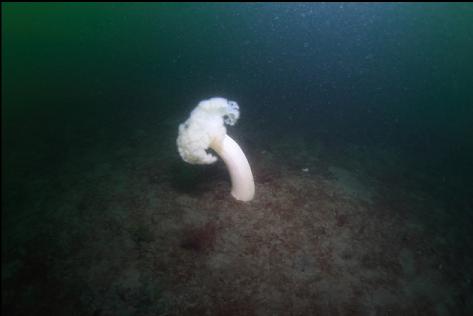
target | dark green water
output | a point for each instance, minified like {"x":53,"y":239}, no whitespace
{"x":81,"y":78}
{"x":389,"y":74}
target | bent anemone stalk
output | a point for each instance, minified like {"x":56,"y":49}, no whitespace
{"x":205,"y":129}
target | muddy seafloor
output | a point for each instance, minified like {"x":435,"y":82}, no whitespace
{"x":127,"y":228}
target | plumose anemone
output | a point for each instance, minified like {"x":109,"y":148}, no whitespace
{"x":205,"y":128}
